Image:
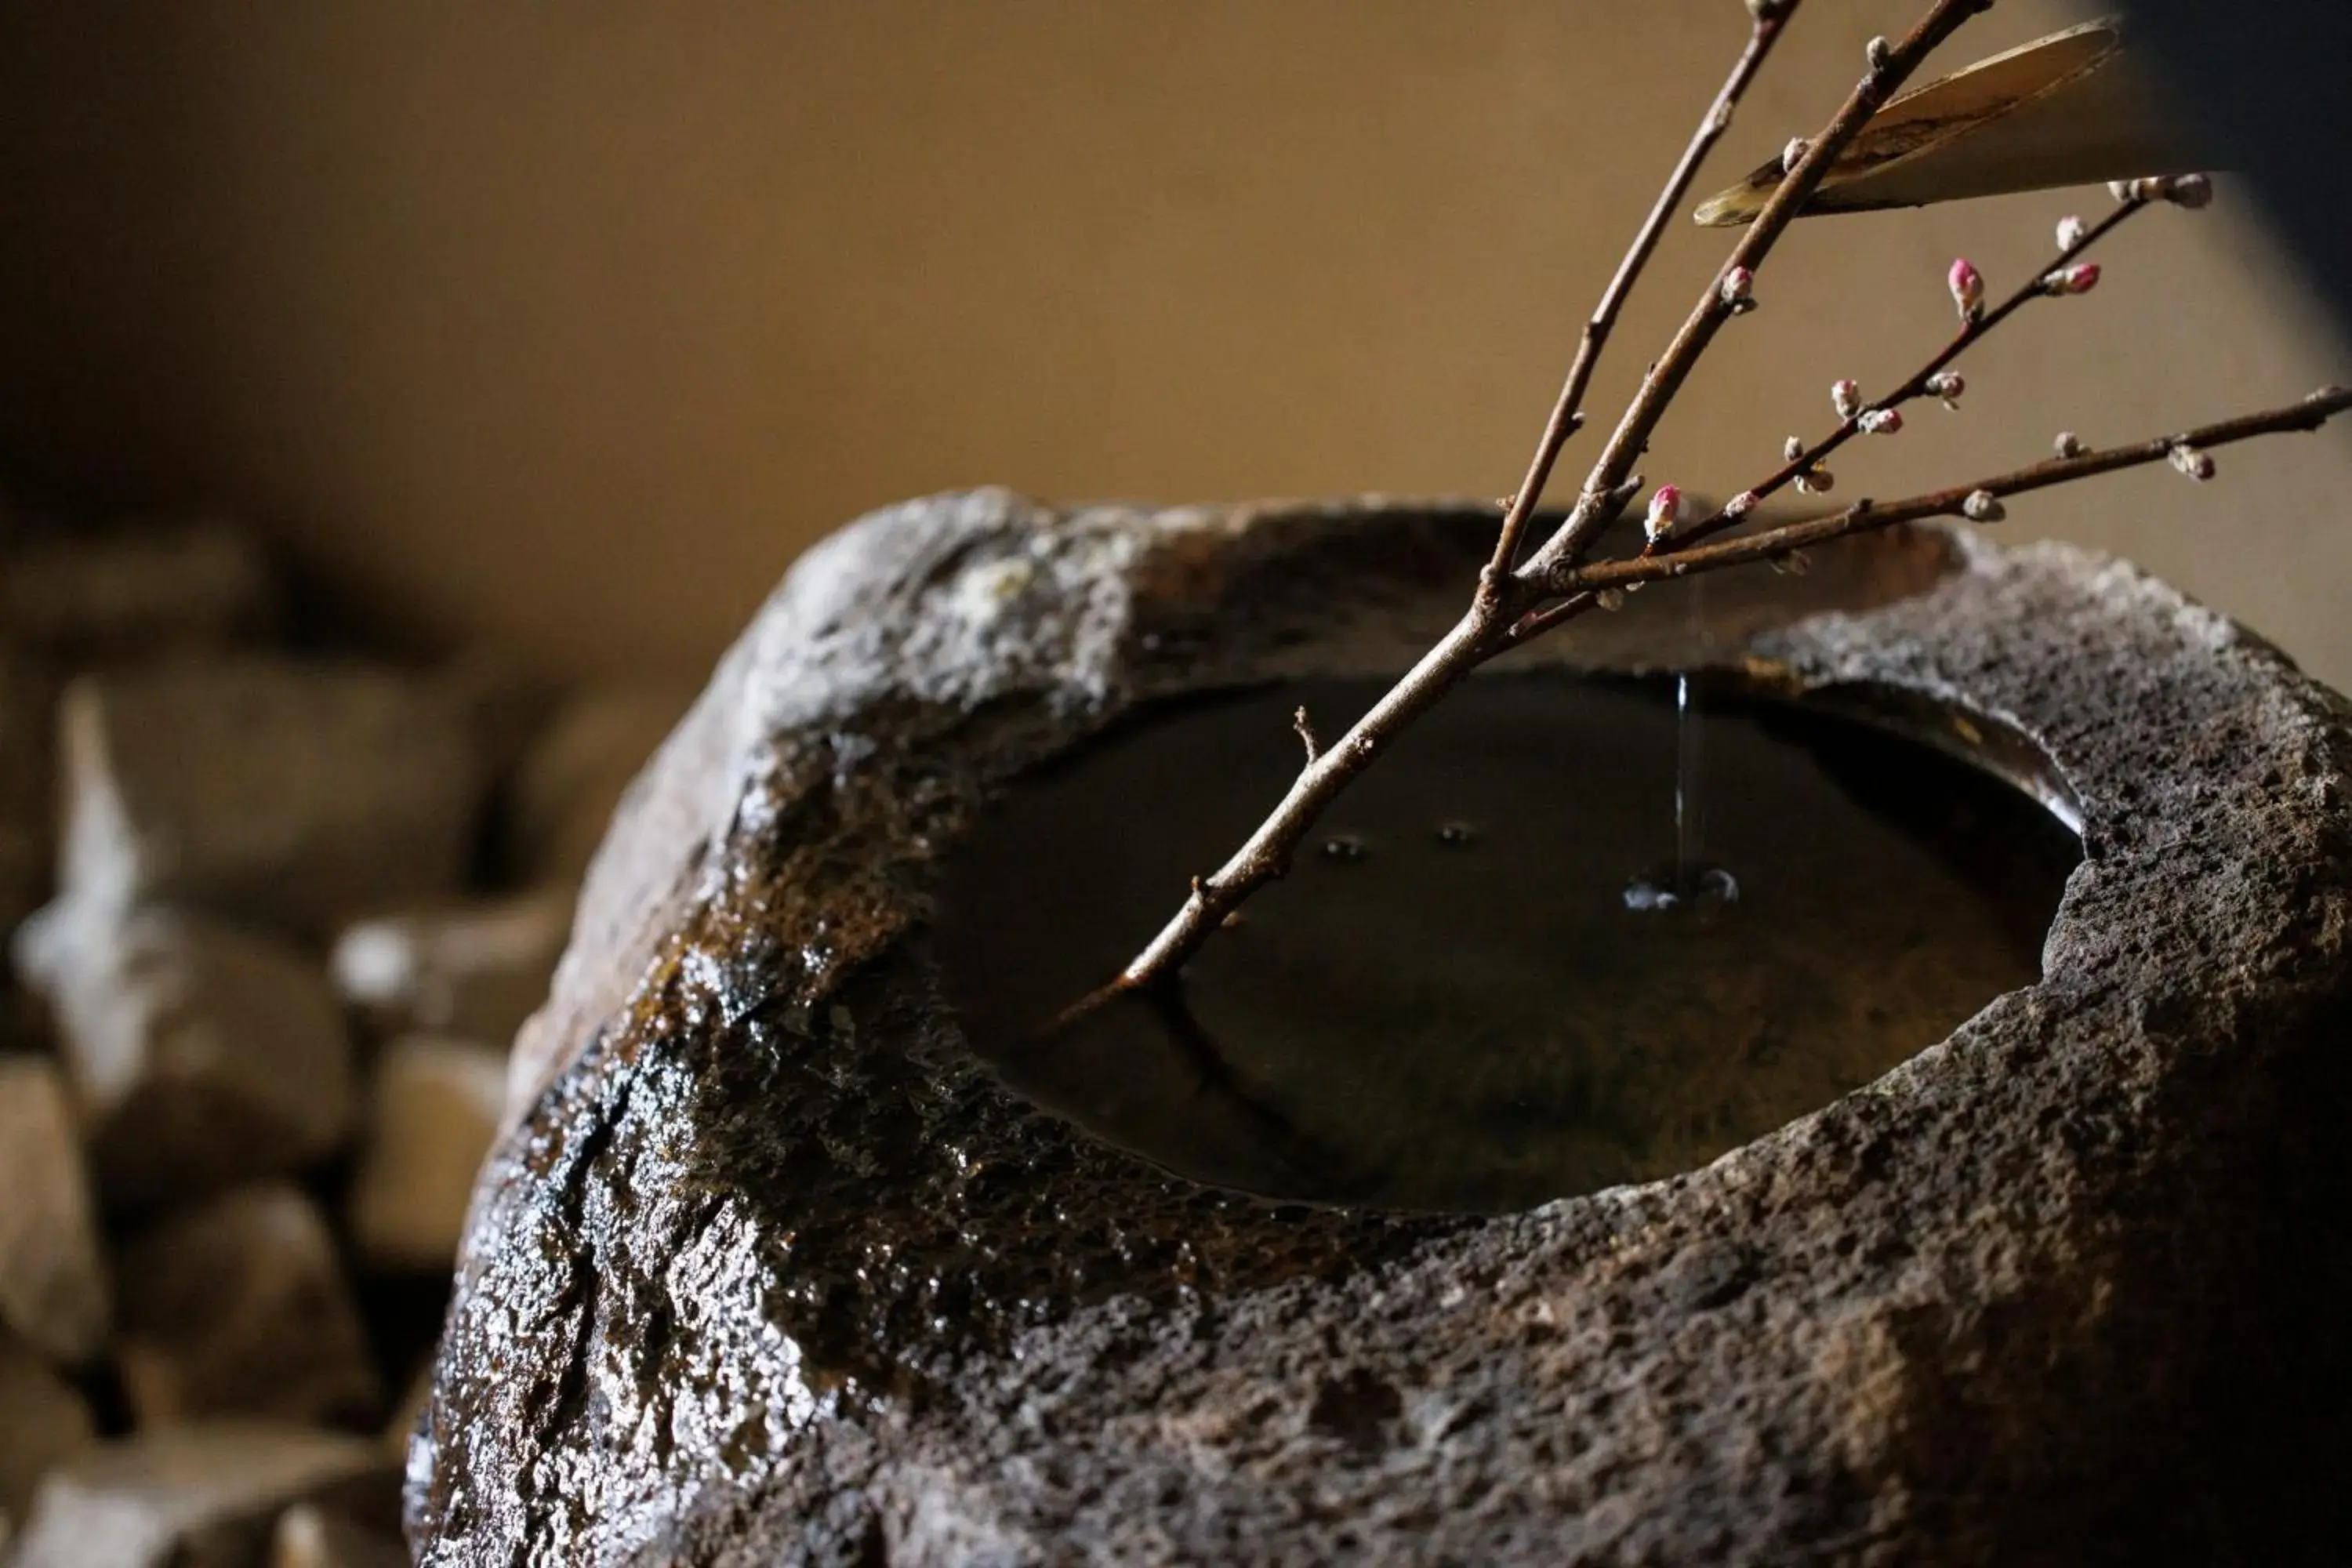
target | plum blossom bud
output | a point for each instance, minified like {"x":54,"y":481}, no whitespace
{"x":2196,"y":463}
{"x":1946,"y":385}
{"x":1665,"y":510}
{"x":2120,"y":189}
{"x":1793,"y":449}
{"x":2070,"y":444}
{"x":1816,"y":481}
{"x":2187,"y":190}
{"x":1739,"y":290}
{"x":1880,"y":53}
{"x":2070,"y":232}
{"x":1740,"y":505}
{"x":2077,"y":280}
{"x":1882,"y":421}
{"x":1967,"y":288}
{"x":1793,"y":155}
{"x":1846,"y":398}
{"x":1983,"y":506}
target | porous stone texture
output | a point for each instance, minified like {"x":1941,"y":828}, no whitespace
{"x":205,"y":1496}
{"x":432,"y":1112}
{"x":201,"y":1055}
{"x":770,"y":1269}
{"x":238,"y":1307}
{"x":475,"y":970}
{"x":43,"y":1422}
{"x":53,"y":1283}
{"x":288,"y":795}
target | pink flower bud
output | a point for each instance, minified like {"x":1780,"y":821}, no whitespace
{"x":1946,"y":385}
{"x":1739,"y":288}
{"x":1967,"y":288}
{"x":1846,"y":398}
{"x":1665,"y":510}
{"x":2077,"y":280}
{"x":1740,"y":505}
{"x":1882,"y":421}
{"x":2192,"y":461}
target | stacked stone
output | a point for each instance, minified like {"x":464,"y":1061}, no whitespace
{"x":271,"y":945}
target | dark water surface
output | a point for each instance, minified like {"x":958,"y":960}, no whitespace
{"x":1451,"y":1003}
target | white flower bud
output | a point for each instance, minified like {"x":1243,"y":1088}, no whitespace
{"x":1983,"y":506}
{"x":1947,"y":385}
{"x":1882,"y":421}
{"x":1793,"y":155}
{"x":2070,"y":232}
{"x":1793,"y":449}
{"x":1879,"y":53}
{"x":1846,"y":398}
{"x":2070,"y":444}
{"x":2120,"y":189}
{"x":1816,"y":481}
{"x":2187,"y":190}
{"x":2195,"y":462}
{"x":1740,"y":505}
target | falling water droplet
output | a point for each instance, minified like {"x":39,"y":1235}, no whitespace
{"x":1456,"y":833}
{"x":1346,"y":847}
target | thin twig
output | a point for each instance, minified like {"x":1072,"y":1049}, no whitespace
{"x":1567,"y":414}
{"x":1887,"y":72}
{"x":1863,"y":516}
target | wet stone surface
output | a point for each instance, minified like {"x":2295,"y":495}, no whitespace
{"x":771,"y":1265}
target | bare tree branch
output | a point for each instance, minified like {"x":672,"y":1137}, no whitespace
{"x":1567,"y":415}
{"x":1510,"y":605}
{"x":1863,"y":516}
{"x":1887,"y":70}
{"x":2035,"y":288}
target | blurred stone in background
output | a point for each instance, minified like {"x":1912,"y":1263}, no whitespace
{"x":273,"y":919}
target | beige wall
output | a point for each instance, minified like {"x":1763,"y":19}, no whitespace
{"x":571,"y":323}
